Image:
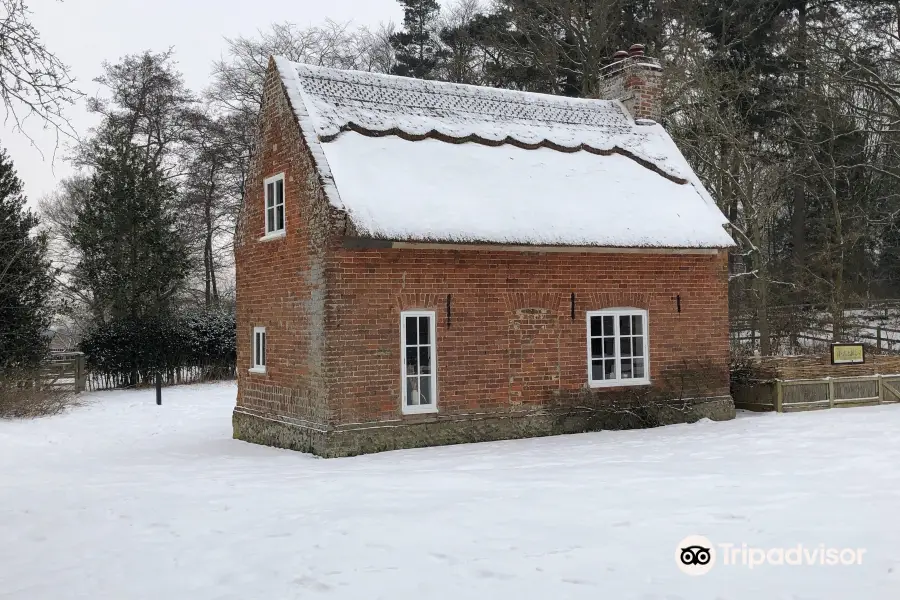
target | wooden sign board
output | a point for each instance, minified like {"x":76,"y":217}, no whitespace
{"x":848,"y":354}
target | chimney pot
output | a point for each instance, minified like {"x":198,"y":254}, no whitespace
{"x":636,"y":50}
{"x":621,"y":55}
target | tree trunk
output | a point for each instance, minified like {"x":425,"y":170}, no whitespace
{"x":759,"y":236}
{"x":798,"y":224}
{"x":762,"y":293}
{"x":212,"y":292}
{"x":207,"y":267}
{"x":837,"y":297}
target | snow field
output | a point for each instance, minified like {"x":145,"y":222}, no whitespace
{"x":120,"y":498}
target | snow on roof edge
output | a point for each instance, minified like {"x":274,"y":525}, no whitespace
{"x":291,"y":81}
{"x":574,"y":248}
{"x":430,"y":192}
{"x":693,"y":179}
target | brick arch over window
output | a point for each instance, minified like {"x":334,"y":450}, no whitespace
{"x":603,"y":300}
{"x":523,"y":302}
{"x":420,"y":301}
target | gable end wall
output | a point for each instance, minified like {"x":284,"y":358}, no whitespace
{"x":281,"y":286}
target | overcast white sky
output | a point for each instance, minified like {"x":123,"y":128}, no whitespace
{"x":84,"y":33}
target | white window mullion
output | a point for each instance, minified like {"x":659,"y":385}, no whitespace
{"x":274,"y":203}
{"x":617,"y":337}
{"x":618,"y":347}
{"x":258,"y":355}
{"x":422,"y":381}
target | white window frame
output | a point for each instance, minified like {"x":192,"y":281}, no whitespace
{"x":271,"y":230}
{"x":256,"y":367}
{"x":616,"y":313}
{"x":427,"y":408}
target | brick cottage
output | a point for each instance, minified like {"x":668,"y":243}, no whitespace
{"x":423,"y":263}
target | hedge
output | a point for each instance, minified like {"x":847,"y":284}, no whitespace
{"x":195,"y":346}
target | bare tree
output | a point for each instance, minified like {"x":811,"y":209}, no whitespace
{"x":58,"y":210}
{"x":212,"y":196}
{"x":33,"y":81}
{"x":464,"y":62}
{"x":736,"y":166}
{"x":377,"y":53}
{"x":149,"y":104}
{"x":238,"y":76}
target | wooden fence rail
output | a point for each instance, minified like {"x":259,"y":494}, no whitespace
{"x":880,"y":340}
{"x":817,"y":394}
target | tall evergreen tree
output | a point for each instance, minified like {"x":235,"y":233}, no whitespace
{"x":133,"y":259}
{"x":26,"y":281}
{"x":418,"y":49}
{"x":560,"y":46}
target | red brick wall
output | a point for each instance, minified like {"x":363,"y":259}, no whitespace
{"x":646,"y":86}
{"x":497,"y":354}
{"x":280,"y":282}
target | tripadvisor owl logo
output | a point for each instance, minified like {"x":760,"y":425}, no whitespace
{"x":695,"y":555}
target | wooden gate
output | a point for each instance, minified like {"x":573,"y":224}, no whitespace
{"x":64,"y":370}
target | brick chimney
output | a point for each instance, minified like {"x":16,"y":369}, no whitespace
{"x":636,"y":80}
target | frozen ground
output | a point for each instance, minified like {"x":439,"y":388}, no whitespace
{"x":121,"y":499}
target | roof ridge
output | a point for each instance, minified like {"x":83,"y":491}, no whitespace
{"x":548,"y":100}
{"x":465,"y":111}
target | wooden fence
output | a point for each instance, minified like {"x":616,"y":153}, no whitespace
{"x":817,"y":394}
{"x":64,"y":370}
{"x":67,"y":370}
{"x":876,"y":338}
{"x":806,"y":329}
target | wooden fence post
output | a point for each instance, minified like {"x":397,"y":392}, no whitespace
{"x":831,"y":392}
{"x":779,"y":396}
{"x":80,"y":375}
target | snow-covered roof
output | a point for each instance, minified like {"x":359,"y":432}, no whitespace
{"x":414,"y":160}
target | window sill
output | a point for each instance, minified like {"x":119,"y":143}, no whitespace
{"x":257,"y":371}
{"x":619,"y":383}
{"x":411,"y":410}
{"x":271,"y":237}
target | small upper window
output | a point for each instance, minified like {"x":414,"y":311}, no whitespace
{"x":617,"y":348}
{"x":275,"y":204}
{"x":259,"y":350}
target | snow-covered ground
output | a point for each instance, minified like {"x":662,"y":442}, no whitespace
{"x":122,"y":499}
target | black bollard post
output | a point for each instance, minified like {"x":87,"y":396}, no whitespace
{"x":158,"y":389}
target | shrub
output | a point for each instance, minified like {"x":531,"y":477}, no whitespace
{"x":132,"y":351}
{"x":23,"y":396}
{"x":672,"y":399}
